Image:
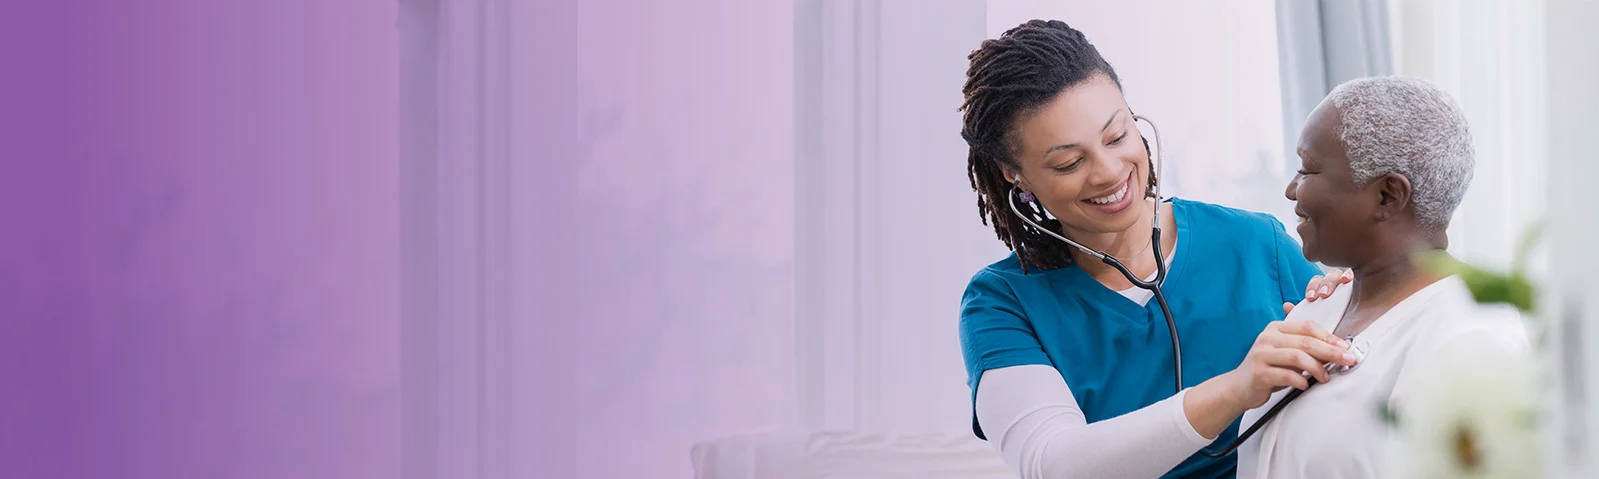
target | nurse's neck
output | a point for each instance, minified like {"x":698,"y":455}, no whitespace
{"x":1131,"y":247}
{"x":1389,"y":277}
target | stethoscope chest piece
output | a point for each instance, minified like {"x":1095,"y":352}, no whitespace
{"x":1359,"y":349}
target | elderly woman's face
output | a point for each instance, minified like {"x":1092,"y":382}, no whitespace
{"x":1084,"y":158}
{"x":1335,"y":216}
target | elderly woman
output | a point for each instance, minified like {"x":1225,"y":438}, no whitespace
{"x":1385,"y":161}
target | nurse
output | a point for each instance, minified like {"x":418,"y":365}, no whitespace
{"x":1384,"y":163}
{"x":1070,"y":366}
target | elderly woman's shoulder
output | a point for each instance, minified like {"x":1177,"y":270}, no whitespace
{"x":1455,"y":315}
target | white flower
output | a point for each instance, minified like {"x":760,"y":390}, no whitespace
{"x":1472,"y":413}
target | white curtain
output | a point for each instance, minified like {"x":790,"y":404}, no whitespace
{"x":1490,"y":56}
{"x":887,"y":227}
{"x":598,"y":233}
{"x":1571,"y":66}
{"x":472,"y":346}
{"x":1320,"y":44}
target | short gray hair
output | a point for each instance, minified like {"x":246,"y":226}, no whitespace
{"x":1395,"y":124}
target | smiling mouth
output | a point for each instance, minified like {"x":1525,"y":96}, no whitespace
{"x":1114,"y":196}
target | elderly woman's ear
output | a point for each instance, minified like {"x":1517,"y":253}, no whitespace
{"x":1394,"y":196}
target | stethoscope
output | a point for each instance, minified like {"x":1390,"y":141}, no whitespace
{"x":1154,"y":285}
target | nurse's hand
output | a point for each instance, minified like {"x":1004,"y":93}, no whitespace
{"x":1321,"y":287}
{"x":1280,"y":356}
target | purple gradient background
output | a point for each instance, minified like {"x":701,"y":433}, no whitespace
{"x":198,"y":263}
{"x":246,"y":239}
{"x":202,"y":207}
{"x":689,"y":299}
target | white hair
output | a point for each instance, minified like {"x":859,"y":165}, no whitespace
{"x":1395,"y":124}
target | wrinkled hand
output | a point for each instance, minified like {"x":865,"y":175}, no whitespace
{"x":1321,"y":287}
{"x":1280,"y":356}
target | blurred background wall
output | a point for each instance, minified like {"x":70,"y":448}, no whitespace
{"x":504,"y":238}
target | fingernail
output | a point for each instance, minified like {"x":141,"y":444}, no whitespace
{"x":1324,"y":290}
{"x":1349,"y":358}
{"x":1342,"y":343}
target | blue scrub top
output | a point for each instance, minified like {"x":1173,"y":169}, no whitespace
{"x":1231,"y":275}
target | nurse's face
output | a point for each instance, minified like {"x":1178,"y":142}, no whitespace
{"x":1084,"y":158}
{"x":1335,"y":215}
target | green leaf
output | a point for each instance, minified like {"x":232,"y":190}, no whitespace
{"x":1486,"y":286}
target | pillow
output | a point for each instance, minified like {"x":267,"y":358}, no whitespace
{"x":847,"y":455}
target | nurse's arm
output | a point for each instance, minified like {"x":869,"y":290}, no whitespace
{"x":1279,"y":358}
{"x":1034,"y":422}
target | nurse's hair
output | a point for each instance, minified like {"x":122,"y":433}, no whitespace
{"x":1395,"y":124}
{"x":1009,"y":77}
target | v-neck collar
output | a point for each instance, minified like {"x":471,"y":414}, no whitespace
{"x":1079,"y":280}
{"x":1406,"y":308}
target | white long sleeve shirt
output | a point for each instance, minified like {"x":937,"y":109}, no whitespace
{"x":1037,"y":426}
{"x":1041,"y":432}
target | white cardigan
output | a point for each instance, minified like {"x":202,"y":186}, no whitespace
{"x":1335,"y":430}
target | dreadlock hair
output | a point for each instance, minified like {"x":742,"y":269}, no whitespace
{"x":1010,"y":77}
